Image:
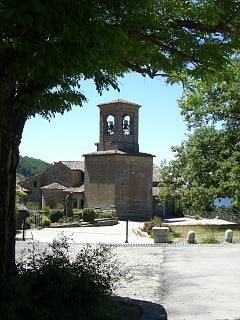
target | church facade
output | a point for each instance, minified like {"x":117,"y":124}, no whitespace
{"x":115,"y":176}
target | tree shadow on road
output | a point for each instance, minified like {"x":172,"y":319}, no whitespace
{"x":151,"y":311}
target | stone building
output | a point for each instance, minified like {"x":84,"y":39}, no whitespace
{"x":117,"y":174}
{"x":51,"y":187}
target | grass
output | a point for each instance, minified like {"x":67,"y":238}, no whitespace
{"x":204,"y":234}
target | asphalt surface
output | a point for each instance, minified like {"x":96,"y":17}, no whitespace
{"x":195,"y":282}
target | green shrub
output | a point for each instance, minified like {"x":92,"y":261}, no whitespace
{"x":55,"y":215}
{"x":88,"y":215}
{"x":51,"y":285}
{"x":209,"y":239}
{"x":46,"y":222}
{"x":105,"y":214}
{"x":61,"y":220}
{"x":31,"y":205}
{"x":148,"y":225}
{"x":46,"y":211}
{"x":78,"y":214}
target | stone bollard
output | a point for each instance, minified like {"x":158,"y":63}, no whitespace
{"x":191,"y":237}
{"x":228,"y":236}
{"x":160,"y":234}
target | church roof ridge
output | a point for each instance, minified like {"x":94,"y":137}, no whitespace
{"x":119,"y":101}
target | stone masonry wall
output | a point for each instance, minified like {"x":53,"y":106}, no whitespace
{"x":122,"y":181}
{"x":34,"y":184}
{"x":57,"y":173}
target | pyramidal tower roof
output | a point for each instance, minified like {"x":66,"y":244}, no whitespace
{"x":119,"y":101}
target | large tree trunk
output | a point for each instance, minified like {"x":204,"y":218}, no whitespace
{"x":11,"y":127}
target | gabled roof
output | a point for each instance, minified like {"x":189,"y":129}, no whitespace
{"x":54,"y":186}
{"x":74,"y":165}
{"x":75,"y":189}
{"x":119,"y":101}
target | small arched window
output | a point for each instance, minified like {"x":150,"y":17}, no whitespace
{"x":35,"y":183}
{"x":126,"y":125}
{"x":110,"y":125}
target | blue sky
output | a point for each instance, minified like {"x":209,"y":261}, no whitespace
{"x":69,"y":136}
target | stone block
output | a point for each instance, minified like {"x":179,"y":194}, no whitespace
{"x":228,"y":236}
{"x":191,"y":237}
{"x":160,"y":234}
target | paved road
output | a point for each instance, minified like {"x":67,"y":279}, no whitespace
{"x":191,"y":282}
{"x":113,"y":234}
{"x":201,"y":283}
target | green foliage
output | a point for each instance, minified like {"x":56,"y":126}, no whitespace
{"x":46,"y":222}
{"x":46,"y":210}
{"x":46,"y":54}
{"x":77,"y":214}
{"x":217,"y":104}
{"x":28,"y":166}
{"x":31,"y":205}
{"x":101,"y":41}
{"x":202,"y":170}
{"x":89,"y":215}
{"x":55,"y":215}
{"x":105,"y":214}
{"x":51,"y":285}
{"x":148,"y":225}
{"x":209,"y":239}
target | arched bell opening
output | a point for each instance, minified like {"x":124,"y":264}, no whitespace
{"x":126,"y":125}
{"x":110,"y":125}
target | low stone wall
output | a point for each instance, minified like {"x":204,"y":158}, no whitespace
{"x":96,"y":223}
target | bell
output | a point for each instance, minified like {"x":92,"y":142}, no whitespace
{"x":125,"y":125}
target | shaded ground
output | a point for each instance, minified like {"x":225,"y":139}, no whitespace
{"x":191,"y":282}
{"x":201,"y":282}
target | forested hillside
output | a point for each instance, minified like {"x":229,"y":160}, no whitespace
{"x":30,"y":166}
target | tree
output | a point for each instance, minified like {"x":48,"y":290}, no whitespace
{"x":217,"y":104}
{"x":29,"y":166}
{"x":48,"y":48}
{"x":207,"y":164}
{"x":196,"y":176}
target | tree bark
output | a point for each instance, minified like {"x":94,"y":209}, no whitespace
{"x":11,"y":127}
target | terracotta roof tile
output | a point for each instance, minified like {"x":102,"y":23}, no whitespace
{"x":119,"y":101}
{"x":54,"y":186}
{"x":74,"y":165}
{"x":75,"y":190}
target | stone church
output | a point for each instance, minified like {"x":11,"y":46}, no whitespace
{"x":116,"y":176}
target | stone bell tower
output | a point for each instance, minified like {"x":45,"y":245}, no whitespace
{"x":119,"y":126}
{"x":117,"y":174}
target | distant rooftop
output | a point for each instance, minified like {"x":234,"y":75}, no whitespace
{"x":75,"y":189}
{"x":54,"y":186}
{"x":118,"y":101}
{"x":74,"y":165}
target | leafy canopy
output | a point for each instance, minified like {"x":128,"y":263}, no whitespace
{"x":207,"y":163}
{"x":48,"y":48}
{"x":29,"y":166}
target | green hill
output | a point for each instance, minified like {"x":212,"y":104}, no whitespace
{"x":28,"y":167}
